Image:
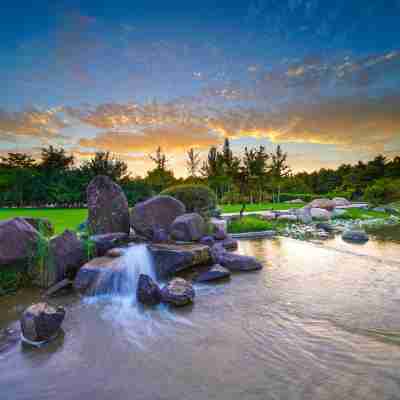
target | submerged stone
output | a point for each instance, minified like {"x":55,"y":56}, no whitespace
{"x":148,"y":292}
{"x":41,"y":322}
{"x":215,"y":273}
{"x":178,"y":292}
{"x":357,"y":236}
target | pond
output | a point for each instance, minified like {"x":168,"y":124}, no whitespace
{"x":318,"y":322}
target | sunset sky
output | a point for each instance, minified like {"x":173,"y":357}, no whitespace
{"x":320,"y":77}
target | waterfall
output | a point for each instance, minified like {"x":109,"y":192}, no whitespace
{"x":122,"y":278}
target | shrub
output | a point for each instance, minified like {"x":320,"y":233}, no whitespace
{"x":196,"y":198}
{"x":306,"y":197}
{"x":382,"y":191}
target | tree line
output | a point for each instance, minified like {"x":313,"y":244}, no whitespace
{"x":256,"y":175}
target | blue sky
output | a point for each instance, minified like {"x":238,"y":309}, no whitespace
{"x":319,"y":77}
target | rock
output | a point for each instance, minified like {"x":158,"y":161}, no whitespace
{"x":304,"y":215}
{"x":99,"y":275}
{"x":148,"y":291}
{"x":338,"y":212}
{"x":207,"y":241}
{"x":108,"y":210}
{"x":171,"y":258}
{"x":216,"y":272}
{"x":156,"y":213}
{"x":41,"y":322}
{"x":268,"y":215}
{"x":320,"y":214}
{"x":42,"y":225}
{"x":352,"y":235}
{"x":107,"y":241}
{"x":219,"y":234}
{"x":67,"y":254}
{"x":19,"y":242}
{"x":325,"y":204}
{"x":232,"y":261}
{"x":188,"y":228}
{"x":237,"y":262}
{"x":220,"y":224}
{"x":288,"y":217}
{"x":295,"y":201}
{"x":178,"y":292}
{"x":229,"y":243}
{"x":160,"y":236}
{"x":115,"y":252}
{"x":341,"y":201}
{"x":325,"y":227}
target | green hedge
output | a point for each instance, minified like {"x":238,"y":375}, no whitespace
{"x":196,"y":198}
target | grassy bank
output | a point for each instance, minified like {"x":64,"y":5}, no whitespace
{"x":359,"y":213}
{"x":235,"y":208}
{"x":254,"y":224}
{"x":61,"y":218}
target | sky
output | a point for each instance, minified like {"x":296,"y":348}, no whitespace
{"x":319,"y":77}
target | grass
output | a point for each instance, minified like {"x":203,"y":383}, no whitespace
{"x":235,"y":208}
{"x":254,"y":224}
{"x":359,"y":213}
{"x":61,"y":218}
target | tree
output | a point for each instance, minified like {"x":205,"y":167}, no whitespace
{"x":55,"y":160}
{"x":192,"y":163}
{"x":160,"y":159}
{"x":103,"y":163}
{"x":279,"y":169}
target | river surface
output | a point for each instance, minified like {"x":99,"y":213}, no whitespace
{"x":318,"y":322}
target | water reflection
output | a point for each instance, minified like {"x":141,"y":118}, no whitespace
{"x":316,"y":323}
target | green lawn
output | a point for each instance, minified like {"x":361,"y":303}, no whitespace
{"x":359,"y":213}
{"x":233,"y":208}
{"x":254,"y":224}
{"x":61,"y":218}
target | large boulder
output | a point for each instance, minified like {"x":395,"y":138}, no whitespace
{"x":99,"y":275}
{"x":67,"y":253}
{"x":216,"y":272}
{"x":156,"y":213}
{"x":19,"y":242}
{"x":42,"y":225}
{"x":341,"y":202}
{"x":107,"y":207}
{"x":178,"y":292}
{"x":41,"y":322}
{"x":325,"y":204}
{"x":207,"y":241}
{"x":355,"y":235}
{"x":229,"y":243}
{"x":233,"y":261}
{"x":148,"y":291}
{"x":107,"y":241}
{"x":320,"y":214}
{"x":172,"y":258}
{"x":304,"y":215}
{"x":188,"y":228}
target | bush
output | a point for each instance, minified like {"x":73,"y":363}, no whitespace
{"x":196,"y":198}
{"x":306,"y":197}
{"x":382,"y":191}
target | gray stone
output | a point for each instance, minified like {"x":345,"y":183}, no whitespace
{"x":178,"y":292}
{"x":233,"y":261}
{"x":108,"y":210}
{"x":320,"y":214}
{"x":215,"y":273}
{"x":357,"y":236}
{"x":18,"y":243}
{"x":148,"y":292}
{"x":325,"y":204}
{"x":326,"y":227}
{"x":107,"y":241}
{"x":219,"y":234}
{"x":41,"y":322}
{"x":341,"y":201}
{"x":188,"y":227}
{"x":288,"y":217}
{"x":207,"y":241}
{"x":67,"y":254}
{"x":171,"y":258}
{"x":304,"y":215}
{"x":156,"y":213}
{"x":229,"y":243}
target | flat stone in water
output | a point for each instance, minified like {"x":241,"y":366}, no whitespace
{"x":215,"y":273}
